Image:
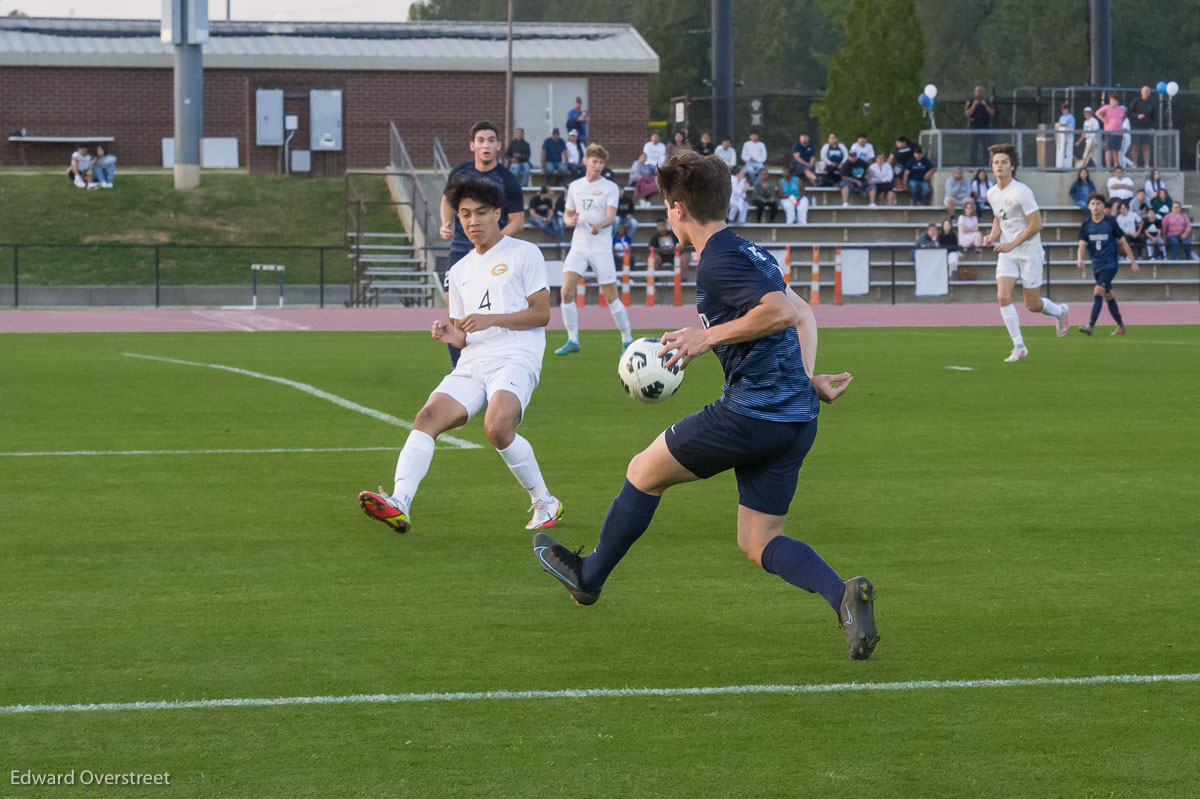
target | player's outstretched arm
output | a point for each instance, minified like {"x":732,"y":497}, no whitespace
{"x":830,"y":387}
{"x":536,"y":315}
{"x":773,"y":313}
{"x":1129,"y":254}
{"x":447,"y":214}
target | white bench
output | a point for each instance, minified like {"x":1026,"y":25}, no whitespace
{"x":23,"y":140}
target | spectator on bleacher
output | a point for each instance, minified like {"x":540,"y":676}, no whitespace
{"x":577,"y":120}
{"x":646,"y":186}
{"x":1081,"y":189}
{"x":104,"y":167}
{"x":655,"y":151}
{"x":948,"y":240}
{"x":662,"y":248}
{"x":1090,"y":138}
{"x":880,"y":177}
{"x":637,"y":169}
{"x":1131,"y":224}
{"x":1138,"y":204}
{"x":1126,"y":142}
{"x":726,"y":152}
{"x":917,"y":173}
{"x":980,"y":112}
{"x":754,"y":156}
{"x":678,"y":144}
{"x":1154,"y":182}
{"x":541,"y":213}
{"x":968,"y":227}
{"x":864,"y":149}
{"x":1119,"y":186}
{"x":737,"y":197}
{"x":979,"y":190}
{"x":765,"y":196}
{"x":554,"y":164}
{"x":833,"y":153}
{"x":622,"y":243}
{"x":901,"y":155}
{"x":1112,"y":116}
{"x":517,"y":156}
{"x":625,"y":213}
{"x":927,"y":240}
{"x":853,"y":177}
{"x":574,"y":155}
{"x":1064,"y":153}
{"x":957,"y":191}
{"x":705,"y":147}
{"x":80,"y":170}
{"x":1156,"y":243}
{"x":794,"y":200}
{"x":1177,"y":228}
{"x":1161,"y":203}
{"x":804,"y":157}
{"x":1142,"y":115}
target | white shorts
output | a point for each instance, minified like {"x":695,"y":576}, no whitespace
{"x":472,"y":384}
{"x":601,"y":260}
{"x":1024,"y":263}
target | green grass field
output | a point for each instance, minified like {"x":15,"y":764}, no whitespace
{"x":1036,"y":520}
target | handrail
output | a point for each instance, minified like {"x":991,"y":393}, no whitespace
{"x":441,"y":163}
{"x":1165,"y":148}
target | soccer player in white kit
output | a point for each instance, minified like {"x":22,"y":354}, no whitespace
{"x":1018,"y":224}
{"x":499,"y":304}
{"x":591,"y":208}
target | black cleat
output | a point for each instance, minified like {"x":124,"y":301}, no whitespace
{"x":564,"y":565}
{"x":1085,"y":329}
{"x":857,"y":615}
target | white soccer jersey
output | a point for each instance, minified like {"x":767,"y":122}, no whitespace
{"x":497,"y":282}
{"x":592,"y":201}
{"x":1012,"y":206}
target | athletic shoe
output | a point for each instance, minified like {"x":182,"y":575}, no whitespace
{"x":564,"y":565}
{"x":857,"y":615}
{"x":546,"y":512}
{"x":1085,"y":330}
{"x":1120,"y":331}
{"x":1017,"y":354}
{"x":1063,"y":327}
{"x":626,"y":344}
{"x":386,"y":509}
{"x":567,"y":348}
{"x":79,"y":182}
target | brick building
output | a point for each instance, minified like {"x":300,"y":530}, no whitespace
{"x":78,"y":77}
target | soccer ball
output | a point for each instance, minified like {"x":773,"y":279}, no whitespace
{"x":643,"y":375}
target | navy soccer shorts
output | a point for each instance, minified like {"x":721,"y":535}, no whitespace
{"x":1105,"y":278}
{"x":765,"y":456}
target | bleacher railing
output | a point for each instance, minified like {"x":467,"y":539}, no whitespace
{"x":1039,"y":147}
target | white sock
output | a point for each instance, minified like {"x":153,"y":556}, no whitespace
{"x":411,"y":466}
{"x":1013,"y":323}
{"x":570,"y":315}
{"x":524,"y":466}
{"x":1050,"y":307}
{"x":621,"y":318}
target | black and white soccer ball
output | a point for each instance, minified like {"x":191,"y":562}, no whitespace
{"x":643,"y":374}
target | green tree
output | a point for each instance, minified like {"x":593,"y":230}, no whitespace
{"x":873,"y":83}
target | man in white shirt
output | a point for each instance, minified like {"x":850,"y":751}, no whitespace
{"x":574,"y":155}
{"x":726,"y":152}
{"x":655,"y":151}
{"x":863,"y":149}
{"x":879,"y":178}
{"x":591,"y":208}
{"x":1120,"y":187}
{"x":754,"y":156}
{"x":499,"y":304}
{"x":1019,"y":254}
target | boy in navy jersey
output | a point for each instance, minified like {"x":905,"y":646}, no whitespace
{"x":762,"y":427}
{"x":1099,"y":234}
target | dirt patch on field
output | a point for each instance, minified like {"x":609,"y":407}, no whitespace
{"x":130,"y":237}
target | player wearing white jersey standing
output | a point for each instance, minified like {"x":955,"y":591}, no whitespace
{"x":499,"y":304}
{"x":591,"y":208}
{"x":1019,"y":255}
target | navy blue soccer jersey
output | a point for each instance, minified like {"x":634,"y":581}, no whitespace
{"x":515,"y":200}
{"x":1101,"y":239}
{"x":764,"y":378}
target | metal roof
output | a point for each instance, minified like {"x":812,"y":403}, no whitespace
{"x":423,"y":46}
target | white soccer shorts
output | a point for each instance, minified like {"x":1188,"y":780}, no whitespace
{"x":1024,"y":263}
{"x":601,"y":260}
{"x":472,"y":384}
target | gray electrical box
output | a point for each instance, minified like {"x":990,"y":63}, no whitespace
{"x":301,"y":161}
{"x":325,"y":119}
{"x":268,"y":105}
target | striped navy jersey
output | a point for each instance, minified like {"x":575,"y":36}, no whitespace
{"x":1101,"y":239}
{"x":764,"y":378}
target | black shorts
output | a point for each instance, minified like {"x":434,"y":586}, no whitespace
{"x":1112,"y":141}
{"x":881,"y":188}
{"x":765,"y":456}
{"x":1104,"y":277}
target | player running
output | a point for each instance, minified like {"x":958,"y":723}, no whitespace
{"x":591,"y":208}
{"x":762,"y":427}
{"x":1018,"y":224}
{"x":1100,"y":235}
{"x":499,"y":304}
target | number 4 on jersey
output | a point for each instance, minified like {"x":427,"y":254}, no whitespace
{"x":486,"y":302}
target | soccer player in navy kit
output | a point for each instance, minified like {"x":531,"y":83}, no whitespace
{"x":762,"y":427}
{"x":485,"y":146}
{"x":1100,"y":234}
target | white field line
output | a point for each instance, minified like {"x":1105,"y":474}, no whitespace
{"x":961,"y":368}
{"x":118,"y":452}
{"x":604,"y":693}
{"x":314,"y":391}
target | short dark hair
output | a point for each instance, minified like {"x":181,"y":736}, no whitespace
{"x":482,"y":191}
{"x":1097,"y":196}
{"x":700,"y":182}
{"x":478,"y":126}
{"x":918,"y":150}
{"x":1005,"y":148}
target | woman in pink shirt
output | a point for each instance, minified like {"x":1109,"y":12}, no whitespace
{"x":1177,"y":229}
{"x":1113,"y":117}
{"x":968,"y":227}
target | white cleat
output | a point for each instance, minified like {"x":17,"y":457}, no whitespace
{"x":546,"y":513}
{"x":1063,"y":328}
{"x":1017,"y":354}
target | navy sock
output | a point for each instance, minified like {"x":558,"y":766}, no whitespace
{"x":1097,"y":304}
{"x":1116,"y":313}
{"x":797,"y":563}
{"x":628,"y":517}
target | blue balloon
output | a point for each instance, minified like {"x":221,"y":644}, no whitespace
{"x":1161,"y":87}
{"x":925,"y":100}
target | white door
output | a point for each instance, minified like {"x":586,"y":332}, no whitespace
{"x":540,"y":104}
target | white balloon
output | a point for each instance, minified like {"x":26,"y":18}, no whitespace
{"x":930,"y":91}
{"x":1172,"y":89}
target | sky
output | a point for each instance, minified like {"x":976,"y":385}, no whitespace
{"x":293,"y":10}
